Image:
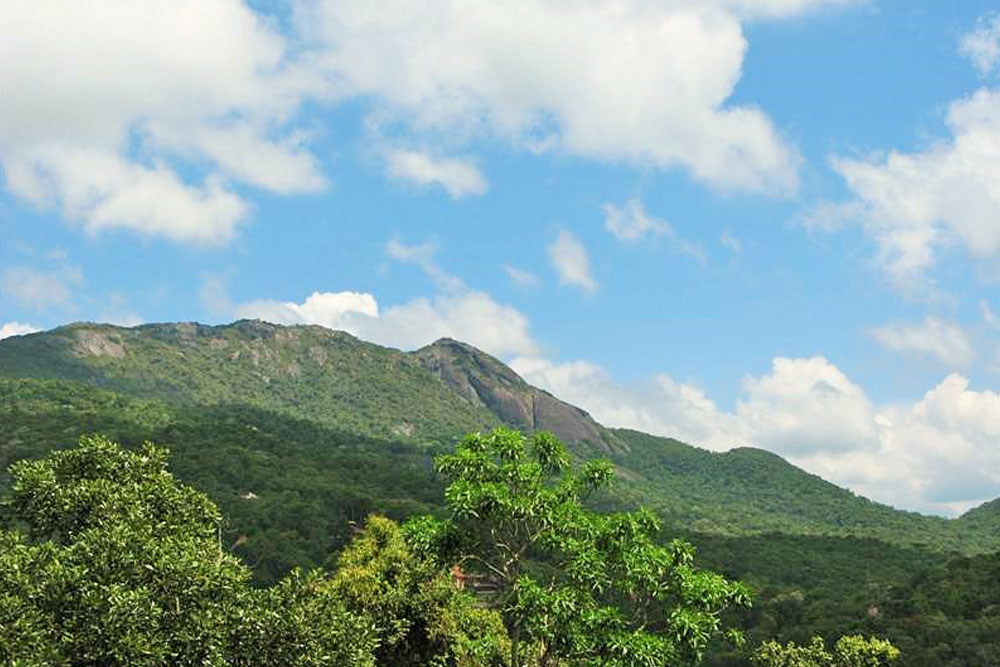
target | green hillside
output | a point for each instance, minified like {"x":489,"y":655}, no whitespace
{"x":332,"y":383}
{"x":308,"y":372}
{"x":749,"y":491}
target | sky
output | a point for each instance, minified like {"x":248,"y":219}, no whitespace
{"x":770,"y":223}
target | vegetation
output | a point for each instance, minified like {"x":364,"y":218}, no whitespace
{"x":850,"y":651}
{"x":296,"y":481}
{"x":108,"y":560}
{"x":306,"y":372}
{"x":603,"y":591}
{"x":121,"y":565}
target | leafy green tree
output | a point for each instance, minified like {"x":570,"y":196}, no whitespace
{"x":849,"y":651}
{"x":421,"y":616}
{"x":122,"y":565}
{"x":573,"y":586}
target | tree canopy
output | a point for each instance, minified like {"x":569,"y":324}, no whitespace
{"x":571,"y":584}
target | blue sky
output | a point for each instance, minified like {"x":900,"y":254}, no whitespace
{"x":766,"y":222}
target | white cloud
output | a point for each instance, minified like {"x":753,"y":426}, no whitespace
{"x":458,"y":177}
{"x":39,"y":290}
{"x":982,"y":45}
{"x":569,"y":259}
{"x":661,"y":405}
{"x":807,"y":405}
{"x":101,"y":101}
{"x":520,"y":277}
{"x":467,"y":315}
{"x":634,"y":82}
{"x":914,"y":205}
{"x":16,"y":329}
{"x":939,"y":454}
{"x":948,"y":342}
{"x":631,"y":223}
{"x":423,"y":256}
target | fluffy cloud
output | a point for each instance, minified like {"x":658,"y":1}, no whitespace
{"x":570,"y":260}
{"x":913,"y":205}
{"x":634,"y":82}
{"x":660,"y":405}
{"x":939,"y":454}
{"x":473,"y":317}
{"x":982,"y":45}
{"x":102,"y":100}
{"x":458,"y":177}
{"x":948,"y":342}
{"x":38,"y":289}
{"x":456,"y":312}
{"x":631,"y":223}
{"x":16,"y":329}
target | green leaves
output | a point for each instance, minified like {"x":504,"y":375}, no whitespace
{"x":573,"y":585}
{"x":849,"y":651}
{"x":124,"y":566}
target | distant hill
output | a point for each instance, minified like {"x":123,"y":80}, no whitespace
{"x":985,"y":518}
{"x":322,"y":379}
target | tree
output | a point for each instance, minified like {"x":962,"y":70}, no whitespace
{"x":572,"y":586}
{"x":422,"y":619}
{"x":849,"y":651}
{"x":123,"y":565}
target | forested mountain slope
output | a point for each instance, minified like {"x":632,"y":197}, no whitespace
{"x":749,"y":491}
{"x":299,"y":433}
{"x":331,"y":380}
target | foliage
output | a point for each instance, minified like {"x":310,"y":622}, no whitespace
{"x":747,"y":491}
{"x":421,"y":617}
{"x":849,"y":651}
{"x":306,"y":372}
{"x":572,"y":585}
{"x":122,"y":565}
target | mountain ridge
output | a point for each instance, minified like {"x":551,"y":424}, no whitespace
{"x":443,"y":390}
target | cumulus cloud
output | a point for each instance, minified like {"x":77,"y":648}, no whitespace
{"x":948,"y":342}
{"x":16,"y":329}
{"x":39,"y":289}
{"x":103,"y":101}
{"x":457,"y":312}
{"x":458,"y":177}
{"x":570,"y":260}
{"x":982,"y":44}
{"x":631,"y":223}
{"x":938,"y":454}
{"x":660,"y":405}
{"x":914,"y":205}
{"x":631,"y":82}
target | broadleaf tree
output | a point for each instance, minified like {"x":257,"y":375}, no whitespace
{"x":106,"y":560}
{"x":848,"y":651}
{"x":573,"y":586}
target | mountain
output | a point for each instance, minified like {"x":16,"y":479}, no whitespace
{"x":487,"y":382}
{"x":434,"y":395}
{"x":299,"y":433}
{"x":985,"y":518}
{"x":315,"y":378}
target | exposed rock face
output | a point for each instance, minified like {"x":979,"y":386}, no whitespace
{"x":98,"y":344}
{"x":486,"y":381}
